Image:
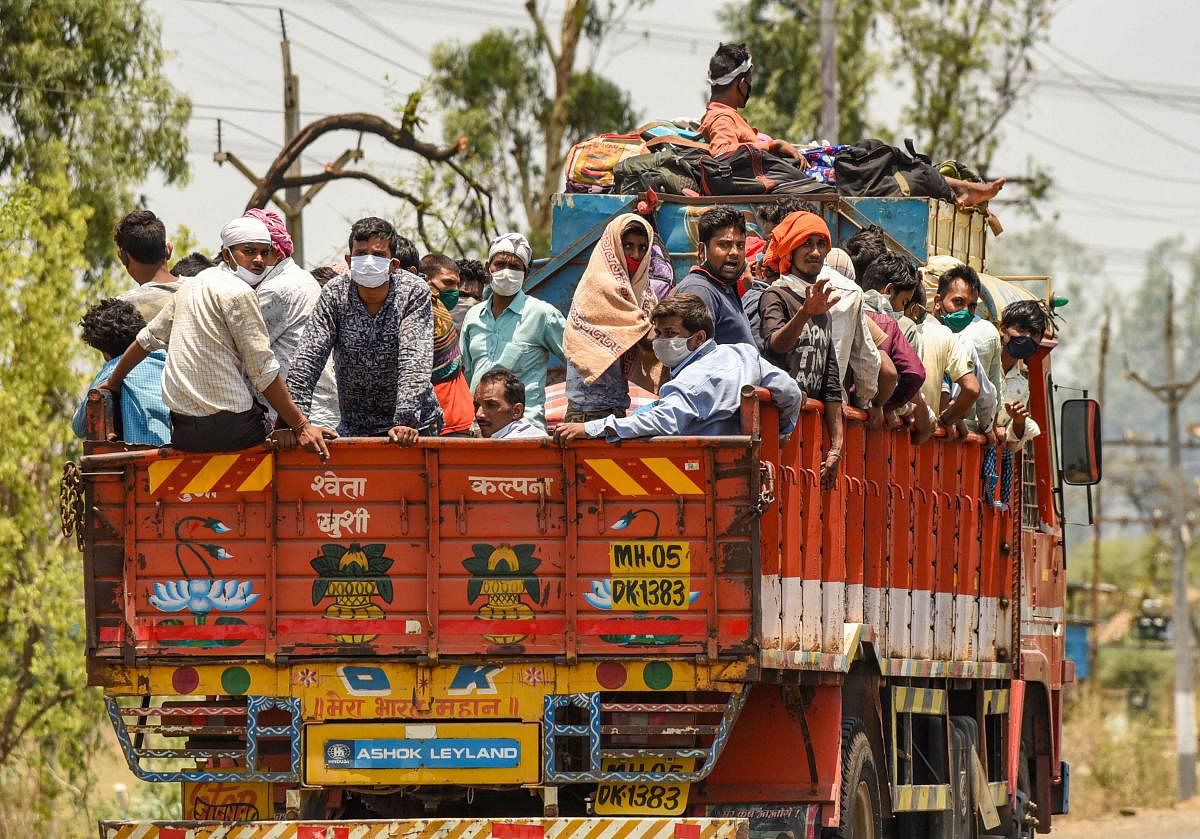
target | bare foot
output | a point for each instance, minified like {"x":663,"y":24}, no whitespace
{"x":969,"y":194}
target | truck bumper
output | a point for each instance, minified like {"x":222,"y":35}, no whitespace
{"x":565,"y":828}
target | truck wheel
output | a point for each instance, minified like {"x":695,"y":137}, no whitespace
{"x":860,"y":812}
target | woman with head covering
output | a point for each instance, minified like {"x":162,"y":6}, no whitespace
{"x":609,"y":318}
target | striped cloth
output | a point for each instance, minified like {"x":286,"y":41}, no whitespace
{"x":447,"y":355}
{"x":556,"y":401}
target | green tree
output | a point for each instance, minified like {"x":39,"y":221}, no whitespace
{"x":519,"y":97}
{"x":49,"y":720}
{"x":89,"y":73}
{"x":964,"y":62}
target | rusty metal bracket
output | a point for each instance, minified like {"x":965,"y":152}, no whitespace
{"x":460,"y":514}
{"x":299,"y":516}
{"x":158,"y":516}
{"x":241,"y":516}
{"x":404,"y":516}
{"x":543,"y":515}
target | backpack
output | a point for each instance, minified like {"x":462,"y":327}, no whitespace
{"x":873,"y":168}
{"x":751,"y":171}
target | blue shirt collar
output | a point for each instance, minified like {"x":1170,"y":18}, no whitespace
{"x":700,"y":351}
{"x":516,"y":305}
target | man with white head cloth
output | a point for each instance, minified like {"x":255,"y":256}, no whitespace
{"x":730,"y":80}
{"x":510,"y":329}
{"x":217,"y":342}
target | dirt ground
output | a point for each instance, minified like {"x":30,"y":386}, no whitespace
{"x":1182,"y":822}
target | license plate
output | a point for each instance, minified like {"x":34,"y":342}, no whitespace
{"x":620,"y":798}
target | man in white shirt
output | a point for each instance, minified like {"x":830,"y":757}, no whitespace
{"x":500,"y":407}
{"x":217,"y":340}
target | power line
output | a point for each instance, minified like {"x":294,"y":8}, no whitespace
{"x":1133,"y":118}
{"x":1140,"y":89}
{"x":245,"y":4}
{"x":382,"y":28}
{"x":1111,"y":166}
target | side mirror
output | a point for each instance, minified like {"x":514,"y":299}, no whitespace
{"x":1080,"y":433}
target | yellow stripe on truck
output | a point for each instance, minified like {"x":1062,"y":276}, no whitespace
{"x":609,"y":828}
{"x":617,"y":478}
{"x":672,"y":475}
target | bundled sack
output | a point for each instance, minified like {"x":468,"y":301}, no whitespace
{"x":591,"y":162}
{"x":872,"y":168}
{"x":751,"y":171}
{"x":672,"y":167}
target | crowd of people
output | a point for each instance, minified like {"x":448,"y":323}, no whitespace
{"x":217,"y":356}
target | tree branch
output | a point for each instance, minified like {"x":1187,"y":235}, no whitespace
{"x":23,"y":682}
{"x":59,"y":698}
{"x":399,"y":136}
{"x":540,"y":26}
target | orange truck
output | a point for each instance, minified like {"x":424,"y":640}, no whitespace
{"x":673,"y":637}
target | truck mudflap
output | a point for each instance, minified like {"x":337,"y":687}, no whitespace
{"x":601,"y":828}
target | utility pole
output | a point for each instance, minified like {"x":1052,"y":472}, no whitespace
{"x":1171,"y":393}
{"x":291,"y":126}
{"x":830,"y":118}
{"x":1093,"y":637}
{"x":294,"y":200}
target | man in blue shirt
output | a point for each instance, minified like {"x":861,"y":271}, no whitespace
{"x":509,"y":329}
{"x":704,"y":396}
{"x":111,"y":326}
{"x":722,"y":254}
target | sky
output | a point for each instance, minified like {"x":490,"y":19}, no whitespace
{"x":1114,"y":114}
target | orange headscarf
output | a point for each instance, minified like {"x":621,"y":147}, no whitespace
{"x":790,"y":234}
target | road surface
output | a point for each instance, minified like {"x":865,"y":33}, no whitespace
{"x":1183,"y":823}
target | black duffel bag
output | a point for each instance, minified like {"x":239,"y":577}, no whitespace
{"x":751,"y":171}
{"x":872,"y":168}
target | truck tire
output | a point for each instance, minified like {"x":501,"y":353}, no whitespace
{"x":860,"y":811}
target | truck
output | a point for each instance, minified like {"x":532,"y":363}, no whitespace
{"x":672,"y":638}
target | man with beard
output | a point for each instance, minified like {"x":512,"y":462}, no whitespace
{"x":722,"y":255}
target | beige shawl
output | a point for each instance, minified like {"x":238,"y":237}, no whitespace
{"x":610,"y":312}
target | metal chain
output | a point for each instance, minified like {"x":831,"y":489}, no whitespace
{"x":70,"y":503}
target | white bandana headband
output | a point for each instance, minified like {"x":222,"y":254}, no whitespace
{"x":721,"y":81}
{"x":513,"y":243}
{"x":242,"y":230}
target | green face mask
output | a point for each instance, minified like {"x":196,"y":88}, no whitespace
{"x":449,"y":298}
{"x":958,"y":321}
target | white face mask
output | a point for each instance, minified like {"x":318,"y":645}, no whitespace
{"x":370,"y":271}
{"x":671,"y":351}
{"x":246,"y":274}
{"x":507,"y":282}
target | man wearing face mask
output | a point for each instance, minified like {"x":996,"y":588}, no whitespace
{"x":377,"y":321}
{"x":449,"y":383}
{"x":286,"y":296}
{"x":510,"y":329}
{"x":958,"y":290}
{"x":722,"y":252}
{"x":730,"y":83}
{"x":1022,"y":327}
{"x":217,"y":342}
{"x":704,"y":396}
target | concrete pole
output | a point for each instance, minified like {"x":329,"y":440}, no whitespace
{"x":830,"y":117}
{"x":1181,"y":622}
{"x":294,"y":213}
{"x":1093,"y":642}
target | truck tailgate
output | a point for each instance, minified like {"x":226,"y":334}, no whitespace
{"x":450,"y":547}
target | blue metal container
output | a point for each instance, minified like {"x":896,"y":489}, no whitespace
{"x":920,"y":226}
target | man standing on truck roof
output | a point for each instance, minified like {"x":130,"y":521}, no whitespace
{"x":722,"y":254}
{"x":510,"y":329}
{"x":704,"y":396}
{"x":217,"y":341}
{"x":377,"y":322}
{"x":500,"y":407}
{"x":143,"y":249}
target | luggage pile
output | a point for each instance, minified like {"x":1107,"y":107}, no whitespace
{"x":671,"y":158}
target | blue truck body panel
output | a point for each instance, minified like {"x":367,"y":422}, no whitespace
{"x":579,"y":218}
